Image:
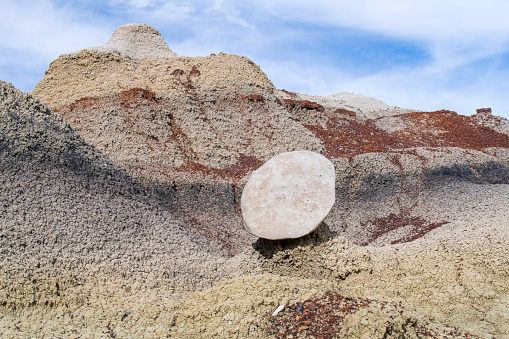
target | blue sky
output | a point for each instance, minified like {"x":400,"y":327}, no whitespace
{"x":421,"y":54}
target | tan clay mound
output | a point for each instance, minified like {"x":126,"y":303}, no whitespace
{"x":131,"y":60}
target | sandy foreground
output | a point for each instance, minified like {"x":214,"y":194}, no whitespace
{"x":454,"y":279}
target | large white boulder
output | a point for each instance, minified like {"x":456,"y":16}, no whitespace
{"x":289,"y":196}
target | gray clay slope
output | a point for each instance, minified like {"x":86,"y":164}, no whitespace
{"x":69,"y":217}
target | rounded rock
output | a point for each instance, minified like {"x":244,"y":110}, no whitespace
{"x":140,"y":40}
{"x":289,"y":195}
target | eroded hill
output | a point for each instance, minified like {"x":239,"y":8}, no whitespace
{"x":124,"y":195}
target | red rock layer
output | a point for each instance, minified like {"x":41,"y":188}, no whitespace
{"x":346,"y":138}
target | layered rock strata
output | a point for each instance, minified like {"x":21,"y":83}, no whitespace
{"x":193,"y":129}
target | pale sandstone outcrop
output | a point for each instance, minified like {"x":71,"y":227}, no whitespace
{"x":138,"y":41}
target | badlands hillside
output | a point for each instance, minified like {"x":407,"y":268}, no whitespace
{"x":121,"y":177}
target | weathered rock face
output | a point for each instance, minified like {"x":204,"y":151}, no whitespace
{"x":136,"y":56}
{"x":193,"y":129}
{"x":289,"y":195}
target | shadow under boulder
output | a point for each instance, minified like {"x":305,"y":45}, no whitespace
{"x":268,"y":248}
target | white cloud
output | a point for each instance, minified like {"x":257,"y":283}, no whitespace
{"x":454,"y":35}
{"x":42,"y":28}
{"x":167,"y":11}
{"x":413,"y":19}
{"x":35,"y":32}
{"x":135,"y":4}
{"x":455,"y":32}
{"x":202,"y":11}
{"x":172,"y":12}
{"x":230,"y":12}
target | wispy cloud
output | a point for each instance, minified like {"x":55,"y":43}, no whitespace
{"x":421,"y":54}
{"x":426,"y":20}
{"x":454,"y":32}
{"x":34,"y":33}
{"x":230,"y":13}
{"x":134,"y":4}
{"x":46,"y":27}
{"x":170,"y":12}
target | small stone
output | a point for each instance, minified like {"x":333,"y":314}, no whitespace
{"x":289,"y":195}
{"x":279,"y":309}
{"x":302,"y":328}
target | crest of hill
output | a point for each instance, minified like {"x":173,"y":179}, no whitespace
{"x":136,"y":56}
{"x":140,"y":40}
{"x":135,"y":41}
{"x":360,"y":101}
{"x":364,"y":107}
